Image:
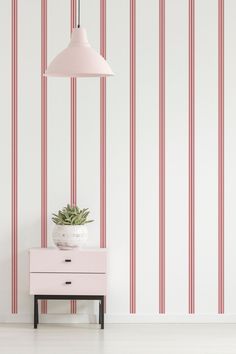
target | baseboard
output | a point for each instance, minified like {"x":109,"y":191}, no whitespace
{"x":49,"y":318}
{"x":168,"y":318}
{"x":120,"y":318}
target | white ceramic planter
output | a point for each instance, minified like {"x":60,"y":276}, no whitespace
{"x":67,"y":237}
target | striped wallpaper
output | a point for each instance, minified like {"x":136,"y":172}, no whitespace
{"x":14,"y":157}
{"x":162,"y":156}
{"x":150,"y":151}
{"x":191,"y":163}
{"x":43,"y":133}
{"x":73,"y":137}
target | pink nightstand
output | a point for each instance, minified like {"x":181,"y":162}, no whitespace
{"x":78,"y":274}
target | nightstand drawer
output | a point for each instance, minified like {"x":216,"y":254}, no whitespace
{"x":78,"y":261}
{"x":67,"y":284}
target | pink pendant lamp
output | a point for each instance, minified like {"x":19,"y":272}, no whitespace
{"x":79,"y":59}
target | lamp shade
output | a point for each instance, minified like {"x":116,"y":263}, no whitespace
{"x":79,"y":59}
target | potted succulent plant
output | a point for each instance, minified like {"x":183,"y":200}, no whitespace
{"x":70,"y":229}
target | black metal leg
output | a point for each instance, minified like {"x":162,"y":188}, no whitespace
{"x":35,"y":311}
{"x":100,"y":316}
{"x":102,"y":313}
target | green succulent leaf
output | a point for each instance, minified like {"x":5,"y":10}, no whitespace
{"x":71,"y":215}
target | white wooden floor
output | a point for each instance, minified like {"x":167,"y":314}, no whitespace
{"x":122,"y":339}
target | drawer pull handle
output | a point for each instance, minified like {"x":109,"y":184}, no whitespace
{"x":67,"y":260}
{"x":68,"y":282}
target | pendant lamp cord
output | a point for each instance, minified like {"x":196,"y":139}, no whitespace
{"x":78,"y":14}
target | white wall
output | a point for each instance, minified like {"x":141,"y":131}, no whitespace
{"x":88,"y":145}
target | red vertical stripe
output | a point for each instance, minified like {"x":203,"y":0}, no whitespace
{"x":43,"y":132}
{"x":161,"y":156}
{"x":73,"y":115}
{"x":221,"y":156}
{"x":191,"y":157}
{"x":14,"y":107}
{"x":103,"y":129}
{"x":132,"y":156}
